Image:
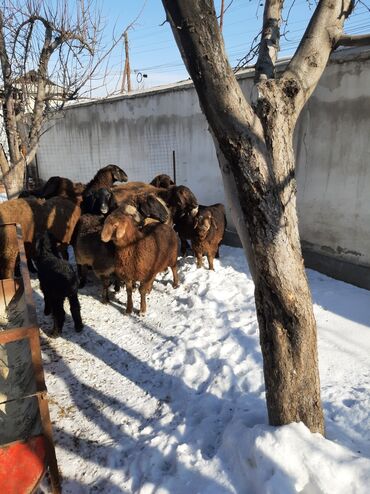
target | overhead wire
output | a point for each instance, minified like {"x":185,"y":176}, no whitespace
{"x":147,"y":40}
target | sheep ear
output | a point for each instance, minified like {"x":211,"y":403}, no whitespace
{"x":107,"y":232}
{"x":121,"y":230}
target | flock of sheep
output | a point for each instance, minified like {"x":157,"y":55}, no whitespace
{"x":126,"y":233}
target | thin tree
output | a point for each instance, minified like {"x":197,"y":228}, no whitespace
{"x":254,"y":144}
{"x":48,"y":51}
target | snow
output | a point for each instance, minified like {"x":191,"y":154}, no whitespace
{"x":174,"y":402}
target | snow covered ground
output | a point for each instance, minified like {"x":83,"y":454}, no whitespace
{"x":174,"y":402}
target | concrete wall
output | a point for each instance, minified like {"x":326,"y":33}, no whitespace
{"x":139,"y":132}
{"x":333,"y":160}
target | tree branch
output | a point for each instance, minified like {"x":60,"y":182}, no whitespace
{"x":270,"y":37}
{"x":320,"y":39}
{"x":190,"y":20}
{"x":9,"y":113}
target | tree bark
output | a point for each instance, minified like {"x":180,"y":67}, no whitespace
{"x":255,"y":151}
{"x":13,"y":172}
{"x":269,"y":45}
{"x":37,"y":118}
{"x":14,"y":180}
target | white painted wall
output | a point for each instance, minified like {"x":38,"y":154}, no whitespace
{"x":139,"y":132}
{"x":333,"y":160}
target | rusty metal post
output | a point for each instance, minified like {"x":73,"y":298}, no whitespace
{"x":174,"y":165}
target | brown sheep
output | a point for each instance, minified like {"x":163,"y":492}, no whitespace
{"x":124,"y":193}
{"x":105,"y":178}
{"x":162,"y":181}
{"x":209,"y":229}
{"x":27,"y":213}
{"x":140,"y":254}
{"x":56,"y":186}
{"x":91,"y":251}
{"x":58,"y":215}
{"x":145,"y":199}
{"x":179,"y":199}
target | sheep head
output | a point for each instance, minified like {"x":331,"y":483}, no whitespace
{"x":183,"y":201}
{"x":118,"y":175}
{"x":162,"y":181}
{"x":100,"y":201}
{"x":202,"y":224}
{"x":115,"y":229}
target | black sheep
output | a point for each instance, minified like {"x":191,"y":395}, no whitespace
{"x":100,"y":201}
{"x":58,"y":281}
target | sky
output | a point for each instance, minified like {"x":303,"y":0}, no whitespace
{"x":153,"y":50}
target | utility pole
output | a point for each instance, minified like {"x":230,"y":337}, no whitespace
{"x":126,"y":71}
{"x":222,"y":14}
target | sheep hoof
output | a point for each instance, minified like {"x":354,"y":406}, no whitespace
{"x":78,"y":329}
{"x":128,"y":311}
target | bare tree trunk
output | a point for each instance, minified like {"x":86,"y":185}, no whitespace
{"x":283,"y":299}
{"x":14,"y":180}
{"x":13,"y":172}
{"x":256,"y":159}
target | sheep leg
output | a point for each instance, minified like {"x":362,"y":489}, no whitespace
{"x":58,"y":316}
{"x":76,"y":312}
{"x":105,"y":285}
{"x":47,"y":306}
{"x":10,"y":267}
{"x":63,"y":249}
{"x":30,"y":265}
{"x":175,"y":283}
{"x":199,"y":256}
{"x":184,"y":246}
{"x":82,"y":274}
{"x":145,"y":288}
{"x":129,"y":305}
{"x":217,"y":253}
{"x":210,"y":258}
{"x":117,"y":285}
